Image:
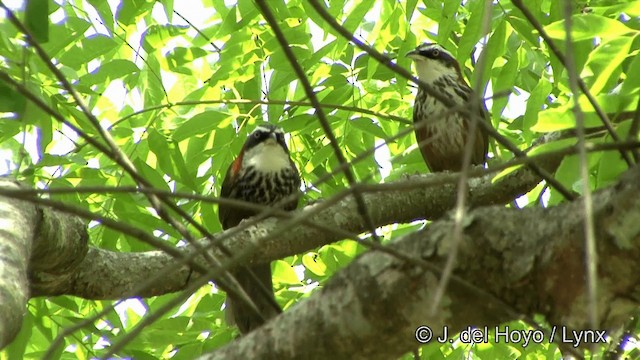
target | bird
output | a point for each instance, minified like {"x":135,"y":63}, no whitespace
{"x":263,"y":174}
{"x":440,"y":132}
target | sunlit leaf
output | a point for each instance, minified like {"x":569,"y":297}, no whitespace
{"x":588,"y":26}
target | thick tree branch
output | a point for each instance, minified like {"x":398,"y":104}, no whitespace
{"x":18,"y":221}
{"x":417,"y":197}
{"x":533,"y":259}
{"x":514,"y":242}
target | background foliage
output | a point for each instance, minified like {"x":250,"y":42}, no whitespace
{"x":179,"y":86}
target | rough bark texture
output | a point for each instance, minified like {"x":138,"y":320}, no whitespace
{"x":530,"y":259}
{"x":104,"y":275}
{"x":100,"y":274}
{"x":18,"y":221}
{"x":60,"y":246}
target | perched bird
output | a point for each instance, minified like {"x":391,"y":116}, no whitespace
{"x":264,"y":174}
{"x":444,"y":133}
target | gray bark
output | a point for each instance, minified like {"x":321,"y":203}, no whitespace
{"x":18,"y":221}
{"x":94,"y":273}
{"x":510,"y":263}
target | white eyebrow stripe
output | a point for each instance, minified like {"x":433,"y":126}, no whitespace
{"x":263,"y":128}
{"x":425,"y":47}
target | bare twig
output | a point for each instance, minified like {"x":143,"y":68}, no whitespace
{"x":121,"y":159}
{"x":634,"y":129}
{"x":461,"y":198}
{"x":383,"y":187}
{"x":197,"y":29}
{"x":589,"y":227}
{"x":229,"y":287}
{"x":113,"y":224}
{"x":126,"y":42}
{"x":446,"y":101}
{"x":159,"y":312}
{"x":563,"y":60}
{"x":270,"y":18}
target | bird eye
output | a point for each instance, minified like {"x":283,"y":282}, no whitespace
{"x":256,"y":135}
{"x":435,"y":52}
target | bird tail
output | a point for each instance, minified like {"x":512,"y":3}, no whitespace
{"x":243,"y":315}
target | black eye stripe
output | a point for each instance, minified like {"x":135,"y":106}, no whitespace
{"x":435,"y":51}
{"x":263,"y":132}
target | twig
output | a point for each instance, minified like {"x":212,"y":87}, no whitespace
{"x":440,"y":97}
{"x":589,"y":227}
{"x":634,"y":129}
{"x":462,"y":193}
{"x":270,"y":18}
{"x":121,"y":159}
{"x":162,"y":310}
{"x":197,"y":29}
{"x":552,"y":46}
{"x":108,"y":222}
{"x":214,"y":262}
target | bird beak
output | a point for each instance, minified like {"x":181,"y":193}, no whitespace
{"x":414,"y":54}
{"x":272,"y":140}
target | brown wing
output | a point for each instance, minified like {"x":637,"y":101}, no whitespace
{"x":229,"y":218}
{"x":293,"y":204}
{"x":481,"y":147}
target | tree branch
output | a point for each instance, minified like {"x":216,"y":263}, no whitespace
{"x":417,"y":197}
{"x":531,"y":258}
{"x":16,"y":237}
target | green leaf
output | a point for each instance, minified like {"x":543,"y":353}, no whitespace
{"x":180,"y":56}
{"x":473,"y":30}
{"x":605,"y":62}
{"x":448,"y":20}
{"x":127,"y":11}
{"x":588,"y":26}
{"x":107,"y":72}
{"x":104,"y":10}
{"x":168,"y":8}
{"x":368,"y":126}
{"x":630,"y":84}
{"x":611,"y":163}
{"x":18,"y":347}
{"x":551,"y":146}
{"x":504,"y":82}
{"x":88,"y":49}
{"x":524,"y":28}
{"x":156,"y":36}
{"x":158,"y":145}
{"x":36,"y":19}
{"x":202,"y":123}
{"x":537,"y":100}
{"x":151,"y":175}
{"x":494,"y":48}
{"x":410,"y":8}
{"x":283,"y":273}
{"x":11,"y":100}
{"x":151,"y":82}
{"x":60,"y":37}
{"x":314,"y":264}
{"x":355,"y":15}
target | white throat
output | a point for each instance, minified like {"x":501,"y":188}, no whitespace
{"x":431,"y":70}
{"x":268,"y":156}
